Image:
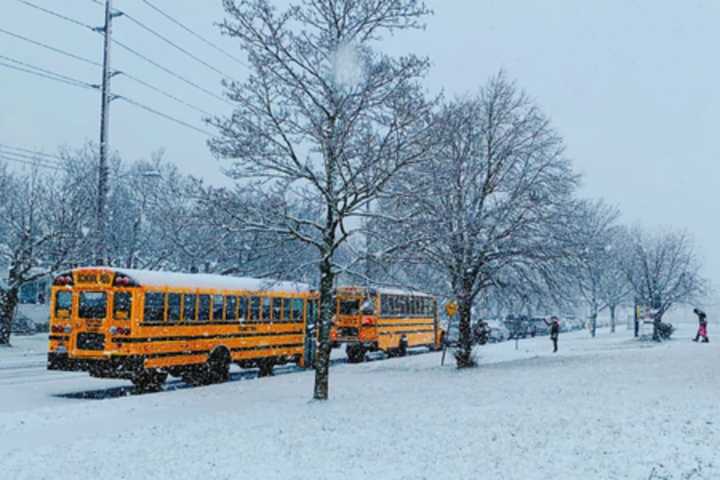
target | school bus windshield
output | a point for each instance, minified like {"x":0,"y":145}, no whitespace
{"x":93,"y":305}
{"x":349,"y":307}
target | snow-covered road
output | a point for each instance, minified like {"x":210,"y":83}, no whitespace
{"x":604,"y":408}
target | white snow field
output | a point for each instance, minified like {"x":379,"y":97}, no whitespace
{"x":604,"y":408}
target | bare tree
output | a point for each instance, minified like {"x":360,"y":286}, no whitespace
{"x":594,"y":269}
{"x":664,"y":270}
{"x":40,"y":222}
{"x":322,"y":123}
{"x":487,"y":208}
{"x":616,"y":289}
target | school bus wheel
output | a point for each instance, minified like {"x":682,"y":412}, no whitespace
{"x":266,"y":367}
{"x":355,"y":353}
{"x":149,"y":380}
{"x":196,"y":375}
{"x":403,"y":346}
{"x":219,"y":365}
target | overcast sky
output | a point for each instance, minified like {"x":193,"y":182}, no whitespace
{"x":631,"y":85}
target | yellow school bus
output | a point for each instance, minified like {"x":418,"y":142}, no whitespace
{"x":143,"y":325}
{"x":387,"y":320}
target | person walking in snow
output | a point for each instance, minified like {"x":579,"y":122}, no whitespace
{"x":702,"y":326}
{"x":554,"y":325}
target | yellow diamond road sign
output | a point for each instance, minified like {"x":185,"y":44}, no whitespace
{"x":451,"y":308}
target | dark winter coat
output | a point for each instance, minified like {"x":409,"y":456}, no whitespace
{"x":554,"y":330}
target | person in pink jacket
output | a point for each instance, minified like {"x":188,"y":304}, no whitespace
{"x":702,"y":326}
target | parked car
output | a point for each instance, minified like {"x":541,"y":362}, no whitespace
{"x":498,"y":332}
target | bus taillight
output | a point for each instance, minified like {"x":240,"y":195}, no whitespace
{"x":123,"y":281}
{"x":368,"y":321}
{"x":120,"y":331}
{"x":64,"y":280}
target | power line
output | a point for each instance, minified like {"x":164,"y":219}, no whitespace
{"x":28,"y":151}
{"x":165,"y":39}
{"x":193,"y":33}
{"x":29,"y":157}
{"x":129,"y":49}
{"x":169,"y":72}
{"x":164,"y":115}
{"x":175,"y":45}
{"x":50,"y":73}
{"x":163,"y":92}
{"x":55,"y":14}
{"x":49,"y":47}
{"x":128,"y":75}
{"x":50,"y":76}
{"x":29,"y":161}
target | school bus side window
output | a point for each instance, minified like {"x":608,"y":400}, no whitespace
{"x":218,"y":308}
{"x":266,"y":315}
{"x":231,"y":311}
{"x":189,"y":307}
{"x":298,"y":305}
{"x":287,"y":310}
{"x":277,"y":308}
{"x":254,"y":309}
{"x":122,"y":305}
{"x":154,"y":308}
{"x":63,"y":304}
{"x":173,"y":307}
{"x":203,"y":308}
{"x":243,"y":309}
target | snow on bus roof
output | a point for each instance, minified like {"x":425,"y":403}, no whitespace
{"x":154,"y":278}
{"x":387,"y":291}
{"x":398,"y":291}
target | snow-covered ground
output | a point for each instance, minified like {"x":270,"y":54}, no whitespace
{"x":604,"y":408}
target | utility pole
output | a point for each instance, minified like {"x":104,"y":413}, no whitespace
{"x":104,"y":127}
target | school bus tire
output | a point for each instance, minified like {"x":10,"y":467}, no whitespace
{"x":265,"y":366}
{"x":402,"y":347}
{"x":355,"y":353}
{"x":219,"y":365}
{"x":149,"y":380}
{"x":196,"y":375}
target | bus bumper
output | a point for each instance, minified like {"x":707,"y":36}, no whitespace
{"x":110,"y":367}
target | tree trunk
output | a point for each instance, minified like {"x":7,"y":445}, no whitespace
{"x":463,"y":355}
{"x":593,"y":324}
{"x":612,"y":318}
{"x":8,"y":303}
{"x":656,"y":327}
{"x":327,"y":309}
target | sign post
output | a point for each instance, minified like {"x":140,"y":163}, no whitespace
{"x":451,"y":309}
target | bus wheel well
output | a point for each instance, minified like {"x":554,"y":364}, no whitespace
{"x":220,"y":352}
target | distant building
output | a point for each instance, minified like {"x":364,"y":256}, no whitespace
{"x":36,"y":292}
{"x":34,"y":302}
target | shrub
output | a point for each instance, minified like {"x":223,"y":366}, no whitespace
{"x":665,"y":330}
